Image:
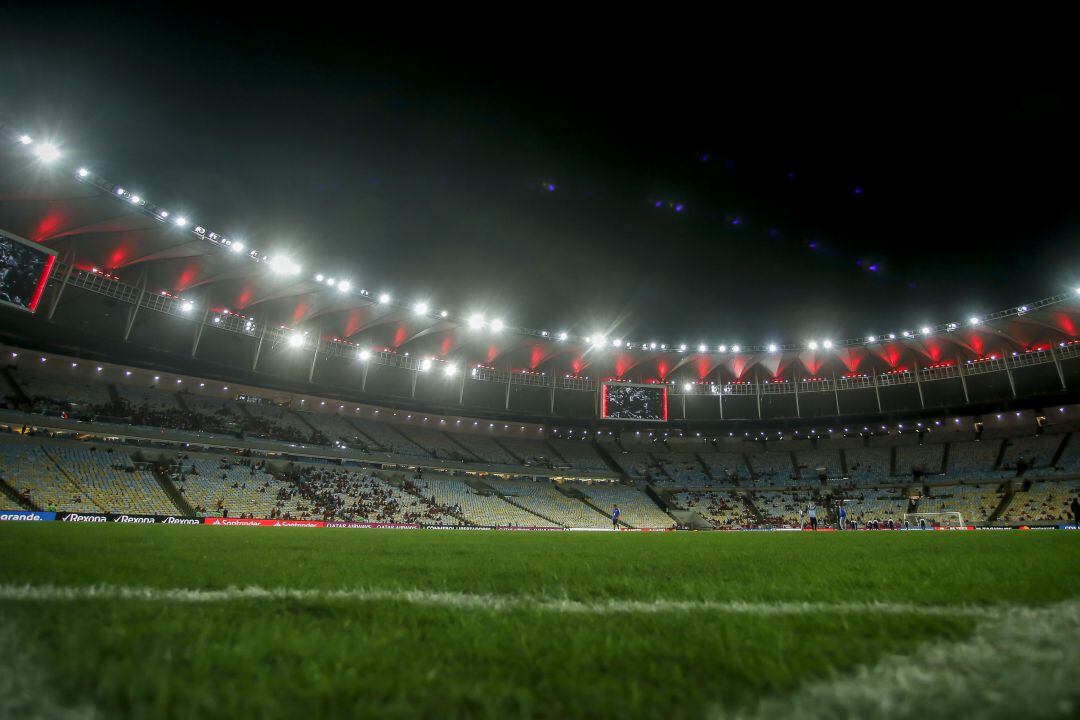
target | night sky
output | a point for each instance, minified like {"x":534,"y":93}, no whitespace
{"x":662,"y":184}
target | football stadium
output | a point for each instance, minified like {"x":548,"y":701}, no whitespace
{"x":378,"y":498}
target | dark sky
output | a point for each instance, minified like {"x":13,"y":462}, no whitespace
{"x":828,"y":188}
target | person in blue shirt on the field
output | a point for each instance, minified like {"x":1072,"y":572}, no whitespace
{"x":842,"y":514}
{"x":615,"y":518}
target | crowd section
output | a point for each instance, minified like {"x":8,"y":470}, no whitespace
{"x":721,"y":509}
{"x":1043,"y":501}
{"x":545,"y":500}
{"x":975,"y":503}
{"x":486,"y":510}
{"x":635,"y":507}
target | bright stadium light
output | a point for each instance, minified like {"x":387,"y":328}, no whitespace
{"x":496,"y":325}
{"x":871,"y":339}
{"x":384,"y":298}
{"x":476,"y":321}
{"x":181,"y":221}
{"x":83,"y":172}
{"x":688,"y":387}
{"x":296,"y":340}
{"x":187,"y":306}
{"x":331,"y":282}
{"x":721,"y":348}
{"x":365,"y":355}
{"x":617,"y":342}
{"x":450,"y":370}
{"x":563,"y":336}
{"x":444,"y":313}
{"x":47,"y":152}
{"x":25,"y":139}
{"x":974,"y":320}
{"x":682,"y":347}
{"x":421,"y":308}
{"x":735,"y":348}
{"x":237,"y":246}
{"x":344,"y":286}
{"x":827,"y":344}
{"x":136,"y":199}
{"x":772,"y":347}
{"x":812,"y":345}
{"x":319,"y":277}
{"x":425,"y":365}
{"x":702,"y":348}
{"x":925,"y":331}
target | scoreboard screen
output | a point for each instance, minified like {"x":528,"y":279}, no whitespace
{"x":623,"y":401}
{"x":24,"y":271}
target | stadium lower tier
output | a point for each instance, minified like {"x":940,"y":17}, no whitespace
{"x":45,"y":473}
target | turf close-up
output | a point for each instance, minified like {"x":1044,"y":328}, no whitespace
{"x":185,"y":622}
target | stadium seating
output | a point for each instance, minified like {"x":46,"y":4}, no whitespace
{"x":881,"y":505}
{"x":725,"y":466}
{"x":772,"y":468}
{"x":1043,"y":502}
{"x":31,"y":472}
{"x":868,"y":465}
{"x":925,"y":459}
{"x":1034,"y":451}
{"x":722,"y":509}
{"x":975,"y":503}
{"x":579,"y":454}
{"x":545,"y":500}
{"x":975,"y":461}
{"x":477,"y":509}
{"x":784,"y":509}
{"x":635,"y":507}
{"x":810,"y":459}
{"x":485,"y":448}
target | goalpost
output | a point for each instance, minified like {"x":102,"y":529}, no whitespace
{"x":933,"y":519}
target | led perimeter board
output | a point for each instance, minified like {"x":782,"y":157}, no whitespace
{"x":24,"y":271}
{"x":627,"y":401}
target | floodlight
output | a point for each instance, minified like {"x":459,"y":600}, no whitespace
{"x":83,"y":172}
{"x":812,"y":345}
{"x":421,"y":308}
{"x":701,"y":348}
{"x":450,"y":370}
{"x":563,"y":336}
{"x":296,"y":340}
{"x":688,"y":387}
{"x":925,"y":331}
{"x":871,"y":339}
{"x":425,"y":365}
{"x":827,"y":344}
{"x":496,"y":325}
{"x":682,"y":348}
{"x":735,"y":348}
{"x":344,"y":286}
{"x":617,"y":342}
{"x":476,"y":321}
{"x":181,"y":221}
{"x":25,"y":139}
{"x":772,"y":347}
{"x":384,"y":298}
{"x":237,"y":246}
{"x":319,"y":277}
{"x":365,"y":354}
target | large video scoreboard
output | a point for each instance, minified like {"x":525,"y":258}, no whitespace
{"x":24,"y":271}
{"x":628,"y":401}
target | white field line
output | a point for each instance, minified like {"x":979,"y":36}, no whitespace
{"x":489,"y":603}
{"x":1023,"y":666}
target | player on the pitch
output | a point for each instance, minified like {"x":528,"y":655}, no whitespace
{"x":615,"y":518}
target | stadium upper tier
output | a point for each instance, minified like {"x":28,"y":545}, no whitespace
{"x":183,"y":296}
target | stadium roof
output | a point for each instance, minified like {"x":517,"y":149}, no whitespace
{"x":102,"y":224}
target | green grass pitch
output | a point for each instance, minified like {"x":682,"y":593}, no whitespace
{"x":505,"y":624}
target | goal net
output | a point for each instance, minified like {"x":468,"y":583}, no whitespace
{"x":933,"y":519}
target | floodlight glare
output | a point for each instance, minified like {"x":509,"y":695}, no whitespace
{"x":496,"y":325}
{"x":812,"y":345}
{"x":772,"y":347}
{"x":563,"y":336}
{"x":181,"y":221}
{"x":425,"y":365}
{"x":476,"y":321}
{"x":344,"y":286}
{"x":701,"y":348}
{"x":688,"y":387}
{"x":83,"y":172}
{"x":384,"y":298}
{"x":974,"y":321}
{"x":617,"y":342}
{"x":365,"y":354}
{"x":237,"y":246}
{"x":25,"y":139}
{"x":450,"y":370}
{"x":47,"y":152}
{"x":421,"y":308}
{"x":925,"y":331}
{"x":682,"y":348}
{"x":871,"y":339}
{"x":735,"y":348}
{"x":444,"y":313}
{"x":296,"y":340}
{"x":319,"y":277}
{"x":827,"y":344}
